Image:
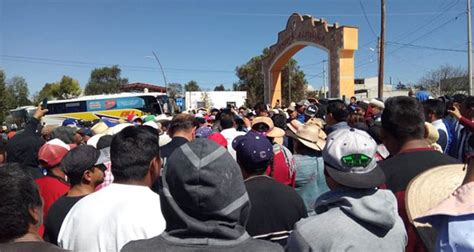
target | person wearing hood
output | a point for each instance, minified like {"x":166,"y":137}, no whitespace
{"x":355,"y":215}
{"x":204,"y":202}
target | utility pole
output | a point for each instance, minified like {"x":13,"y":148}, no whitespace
{"x":324,"y":78}
{"x":381,"y":50}
{"x":469,"y":47}
{"x":162,"y":71}
{"x":289,"y":83}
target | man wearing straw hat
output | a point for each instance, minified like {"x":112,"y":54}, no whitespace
{"x":308,"y":143}
{"x":355,"y":215}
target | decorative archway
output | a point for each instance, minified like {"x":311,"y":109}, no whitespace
{"x":340,"y":42}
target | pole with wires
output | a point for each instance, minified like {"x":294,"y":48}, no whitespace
{"x":469,"y":47}
{"x":162,"y":71}
{"x":381,"y":51}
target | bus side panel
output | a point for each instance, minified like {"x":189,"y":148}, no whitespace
{"x":90,"y":116}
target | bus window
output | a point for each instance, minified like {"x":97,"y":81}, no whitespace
{"x":68,"y":107}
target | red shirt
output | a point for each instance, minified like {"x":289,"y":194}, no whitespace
{"x":51,"y":188}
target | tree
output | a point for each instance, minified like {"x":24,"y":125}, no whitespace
{"x":175,"y":89}
{"x":206,"y":101}
{"x":251,"y":80}
{"x":3,"y":97}
{"x":105,"y":80}
{"x":219,"y":88}
{"x":17,"y":93}
{"x":447,"y":79}
{"x":67,"y":88}
{"x":192,"y":86}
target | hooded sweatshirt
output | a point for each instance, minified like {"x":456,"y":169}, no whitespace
{"x":204,"y":202}
{"x":351,"y":220}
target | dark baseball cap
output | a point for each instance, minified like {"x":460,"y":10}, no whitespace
{"x":253,"y":149}
{"x":311,"y":111}
{"x":83,"y":158}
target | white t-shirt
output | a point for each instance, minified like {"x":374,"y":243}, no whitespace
{"x":230,"y":134}
{"x":108,"y":219}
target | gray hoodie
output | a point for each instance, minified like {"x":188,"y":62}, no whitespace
{"x":351,"y":220}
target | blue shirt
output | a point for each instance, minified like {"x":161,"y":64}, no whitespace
{"x":455,"y":233}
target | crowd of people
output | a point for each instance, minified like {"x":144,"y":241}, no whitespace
{"x":317,"y":175}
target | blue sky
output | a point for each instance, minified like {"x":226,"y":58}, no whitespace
{"x":42,"y":40}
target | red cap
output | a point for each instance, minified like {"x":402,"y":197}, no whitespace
{"x":218,"y":138}
{"x":52,"y":152}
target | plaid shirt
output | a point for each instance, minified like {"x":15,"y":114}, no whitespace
{"x":109,"y":177}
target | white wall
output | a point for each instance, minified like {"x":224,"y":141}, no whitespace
{"x":218,"y":99}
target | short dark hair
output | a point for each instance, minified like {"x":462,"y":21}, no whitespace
{"x":338,"y":110}
{"x":131,"y":152}
{"x":18,"y":194}
{"x":182,"y":122}
{"x":362,"y":105}
{"x":403,"y":117}
{"x":434,"y":106}
{"x":227,"y":119}
{"x":279,"y":120}
{"x":259,"y":107}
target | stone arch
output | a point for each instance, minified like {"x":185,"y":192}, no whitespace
{"x":340,"y":42}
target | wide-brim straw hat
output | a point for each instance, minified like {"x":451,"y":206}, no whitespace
{"x":274,"y":132}
{"x":117,"y":128}
{"x":308,"y":134}
{"x":426,"y":191}
{"x":99,"y":128}
{"x":431,"y":133}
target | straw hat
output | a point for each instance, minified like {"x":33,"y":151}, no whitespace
{"x":309,"y":135}
{"x":117,"y":128}
{"x":294,"y":125}
{"x":274,"y":132}
{"x":426,"y":191}
{"x":99,"y":128}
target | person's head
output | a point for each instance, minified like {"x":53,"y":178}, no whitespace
{"x":21,"y":208}
{"x":135,"y":156}
{"x":254,"y":153}
{"x":85,"y":165}
{"x":261,"y":109}
{"x":227,"y":119}
{"x":204,"y":187}
{"x":467,"y":108}
{"x":104,"y":142}
{"x":279,"y":120}
{"x":52,"y":152}
{"x":402,"y":121}
{"x":434,"y":110}
{"x":353,"y":99}
{"x":361,"y":108}
{"x":336,"y":112}
{"x":377,"y":106}
{"x":308,"y":138}
{"x":355,"y":118}
{"x":66,"y":134}
{"x":183,"y":125}
{"x":310,"y":112}
{"x":457,"y":100}
{"x":349,"y":158}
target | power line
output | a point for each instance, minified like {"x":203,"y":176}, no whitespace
{"x":426,"y":47}
{"x":367,"y":19}
{"x":405,"y":35}
{"x":429,"y":32}
{"x":92,"y":64}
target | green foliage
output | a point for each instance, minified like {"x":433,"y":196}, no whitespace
{"x":192,"y":86}
{"x":175,"y":89}
{"x":105,"y":80}
{"x":66,"y":88}
{"x":3,"y":97}
{"x":17,"y":93}
{"x":251,"y":79}
{"x":219,"y":88}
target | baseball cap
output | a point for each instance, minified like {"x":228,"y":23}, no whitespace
{"x":303,"y":103}
{"x":253,"y":149}
{"x":70,"y":122}
{"x":83,"y":158}
{"x":349,"y":157}
{"x":218,"y":138}
{"x":203,"y":132}
{"x":311,"y":110}
{"x":52,"y":152}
